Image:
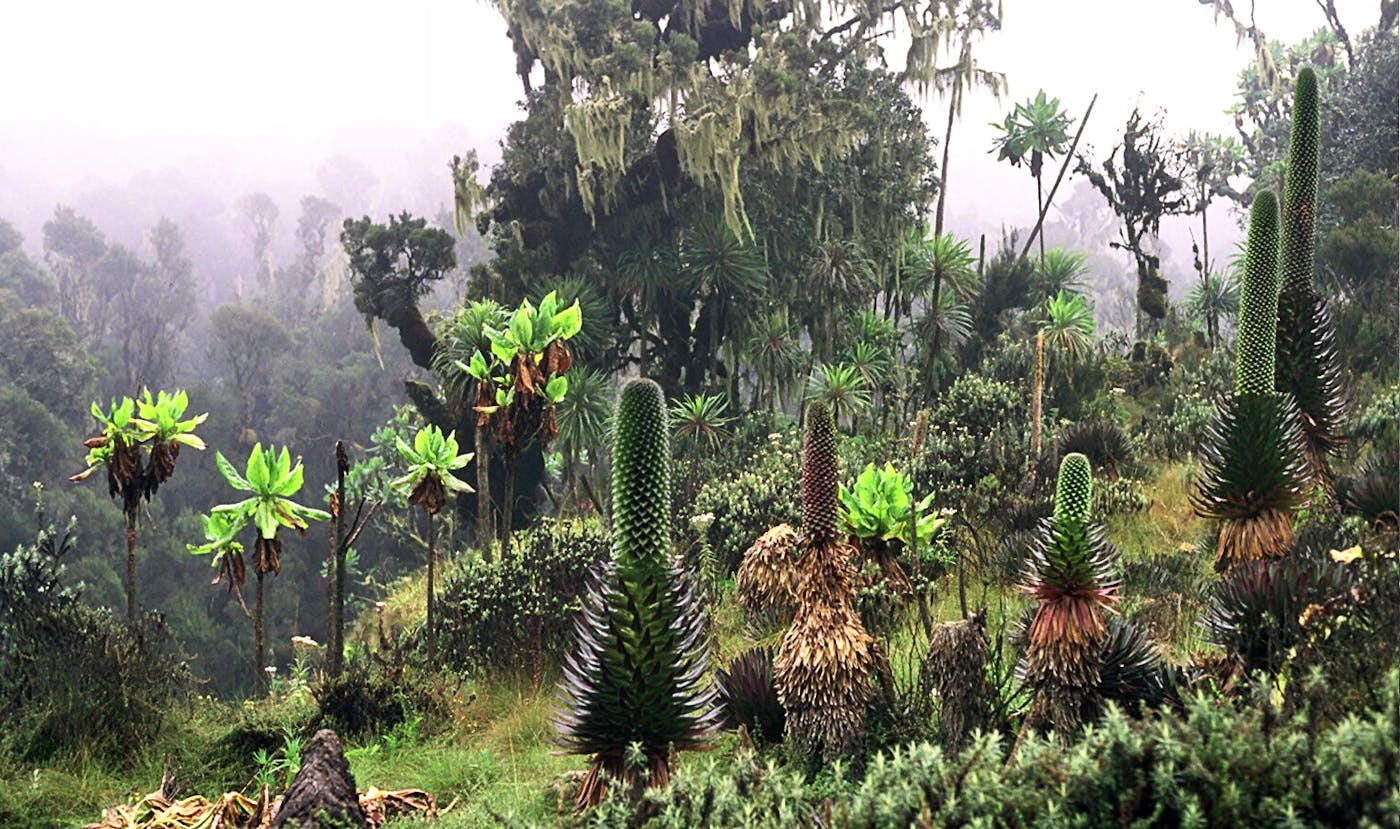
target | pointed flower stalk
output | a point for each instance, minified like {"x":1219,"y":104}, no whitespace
{"x":821,"y":506}
{"x":1253,"y":472}
{"x":1071,"y":579}
{"x":826,"y":661}
{"x":1306,"y":355}
{"x":633,"y":686}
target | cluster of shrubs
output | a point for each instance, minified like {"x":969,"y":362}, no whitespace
{"x":1206,"y":764}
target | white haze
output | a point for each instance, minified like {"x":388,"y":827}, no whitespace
{"x":131,"y":111}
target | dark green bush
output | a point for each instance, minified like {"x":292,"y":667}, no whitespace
{"x":1176,"y":422}
{"x":361,"y":701}
{"x":976,"y":432}
{"x":73,"y":681}
{"x":514,"y":613}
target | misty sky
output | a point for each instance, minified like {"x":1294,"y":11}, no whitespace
{"x":255,"y":92}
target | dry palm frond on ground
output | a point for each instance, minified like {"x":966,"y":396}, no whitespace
{"x":235,"y":810}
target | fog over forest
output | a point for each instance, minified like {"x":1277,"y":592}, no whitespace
{"x":683,"y":413}
{"x":178,"y":110}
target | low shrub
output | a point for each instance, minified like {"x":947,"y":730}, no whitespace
{"x":361,"y":701}
{"x":74,"y":682}
{"x":757,"y":495}
{"x":514,"y":613}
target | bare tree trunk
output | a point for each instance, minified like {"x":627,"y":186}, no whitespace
{"x":131,"y":607}
{"x":259,"y":675}
{"x":1037,"y":390}
{"x":331,"y":544}
{"x":432,"y":628}
{"x":938,"y":215}
{"x":336,"y":650}
{"x":943,"y":190}
{"x":508,"y":508}
{"x":483,"y":491}
{"x":1205,"y":235}
{"x":1038,"y":377}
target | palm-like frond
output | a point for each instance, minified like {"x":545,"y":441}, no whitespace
{"x":1069,"y":325}
{"x":942,"y":258}
{"x":465,"y":333}
{"x":1216,"y":296}
{"x":870,"y":360}
{"x":646,"y":270}
{"x":840,"y":273}
{"x":714,"y":257}
{"x":583,"y":413}
{"x":702,"y":419}
{"x":949,"y":316}
{"x":771,"y":347}
{"x":841,"y":388}
{"x":1064,"y":270}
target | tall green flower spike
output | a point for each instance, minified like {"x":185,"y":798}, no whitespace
{"x":821,"y":508}
{"x":1306,"y":358}
{"x":633,"y":685}
{"x":1252,"y":469}
{"x":1300,"y":191}
{"x":1074,"y":490}
{"x":1071,"y":580}
{"x":1258,"y":319}
{"x":641,"y":477}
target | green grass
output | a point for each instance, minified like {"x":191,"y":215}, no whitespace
{"x":1169,"y":523}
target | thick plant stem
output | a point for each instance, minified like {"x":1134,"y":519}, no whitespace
{"x":1037,"y":391}
{"x":483,"y":490}
{"x":259,"y":676}
{"x":131,"y":608}
{"x":432,"y":628}
{"x":508,"y":507}
{"x":336,"y":648}
{"x":1040,"y":208}
{"x":330,"y":594}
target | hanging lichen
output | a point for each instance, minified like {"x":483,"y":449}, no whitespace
{"x":737,"y":85}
